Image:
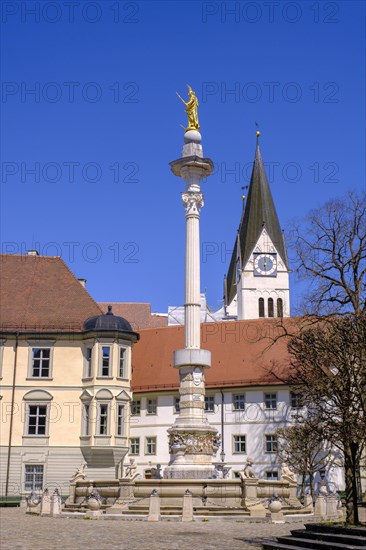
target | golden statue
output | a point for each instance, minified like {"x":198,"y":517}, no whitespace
{"x":191,"y":110}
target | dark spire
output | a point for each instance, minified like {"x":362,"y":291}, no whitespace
{"x":259,"y":212}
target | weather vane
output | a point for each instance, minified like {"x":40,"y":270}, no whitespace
{"x":191,"y":109}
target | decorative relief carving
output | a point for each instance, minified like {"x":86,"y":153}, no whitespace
{"x":187,"y":391}
{"x":193,"y":443}
{"x":197,"y":376}
{"x":192,"y":405}
{"x":192,"y":202}
{"x":186,"y":378}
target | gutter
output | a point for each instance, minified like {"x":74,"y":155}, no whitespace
{"x":12,"y":413}
{"x":222,"y":421}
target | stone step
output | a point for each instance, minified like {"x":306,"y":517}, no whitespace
{"x":178,"y":511}
{"x":341,"y":530}
{"x":315,"y":544}
{"x":198,"y":509}
{"x":339,"y":538}
{"x":272,"y":545}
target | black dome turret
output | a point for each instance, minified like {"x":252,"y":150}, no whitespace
{"x":108,"y":322}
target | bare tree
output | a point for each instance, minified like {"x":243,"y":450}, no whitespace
{"x":304,"y":449}
{"x":327,"y":346}
{"x":328,"y":362}
{"x":329,"y":251}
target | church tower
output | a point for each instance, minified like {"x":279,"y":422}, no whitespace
{"x":257,"y":284}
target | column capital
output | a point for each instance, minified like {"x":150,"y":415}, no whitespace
{"x":192,"y":202}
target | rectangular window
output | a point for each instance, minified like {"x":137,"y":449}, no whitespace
{"x":86,"y":419}
{"x":151,"y":446}
{"x":41,"y":362}
{"x":88,"y":362}
{"x":271,"y":444}
{"x":33,"y":477}
{"x":272,"y":474}
{"x":134,"y":446}
{"x":1,"y":356}
{"x":37,"y":417}
{"x":239,"y":402}
{"x":270,"y":400}
{"x":239,"y":443}
{"x":209,"y":403}
{"x":151,"y":406}
{"x":176,"y":404}
{"x":103,"y":419}
{"x":120,"y":419}
{"x":122,"y":363}
{"x":136,"y":407}
{"x":295,"y":400}
{"x":106,"y":359}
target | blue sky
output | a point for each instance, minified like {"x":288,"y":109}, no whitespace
{"x":103,"y":122}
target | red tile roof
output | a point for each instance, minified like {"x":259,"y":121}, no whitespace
{"x":241,"y":355}
{"x":40,"y":293}
{"x":137,"y":314}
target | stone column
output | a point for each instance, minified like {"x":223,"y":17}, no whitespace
{"x":192,"y":441}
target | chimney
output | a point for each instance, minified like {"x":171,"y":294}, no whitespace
{"x":82,"y":282}
{"x":33,"y":253}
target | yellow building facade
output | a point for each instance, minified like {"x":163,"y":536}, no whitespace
{"x":65,"y":380}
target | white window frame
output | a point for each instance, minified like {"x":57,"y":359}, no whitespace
{"x":88,"y":362}
{"x":123,"y":373}
{"x":176,"y":404}
{"x":40,"y":346}
{"x":151,"y":406}
{"x":235,"y":452}
{"x":209,"y":400}
{"x":100,"y":370}
{"x":86,"y":406}
{"x":272,"y":442}
{"x":272,"y":475}
{"x":37,"y":416}
{"x":269,"y":398}
{"x":120,"y":419}
{"x":237,"y":397}
{"x":2,"y":344}
{"x":134,"y":441}
{"x":99,"y":425}
{"x":34,"y":474}
{"x":151,"y":440}
{"x":135,"y":401}
{"x":295,"y":398}
{"x":36,"y":398}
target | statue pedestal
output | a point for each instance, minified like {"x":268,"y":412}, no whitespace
{"x":187,"y":512}
{"x":154,"y":507}
{"x":293,"y":500}
{"x":320,"y":509}
{"x":331,"y":507}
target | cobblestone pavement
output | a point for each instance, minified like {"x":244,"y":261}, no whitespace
{"x":19,"y":531}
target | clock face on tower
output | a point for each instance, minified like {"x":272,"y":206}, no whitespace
{"x":265,"y":264}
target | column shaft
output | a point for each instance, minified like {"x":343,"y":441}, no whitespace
{"x":192,"y":305}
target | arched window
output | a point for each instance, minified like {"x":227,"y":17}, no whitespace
{"x":279,"y":307}
{"x":261,"y":307}
{"x":270,"y":307}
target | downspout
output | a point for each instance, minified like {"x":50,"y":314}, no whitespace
{"x":12,"y":414}
{"x":222,"y":422}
